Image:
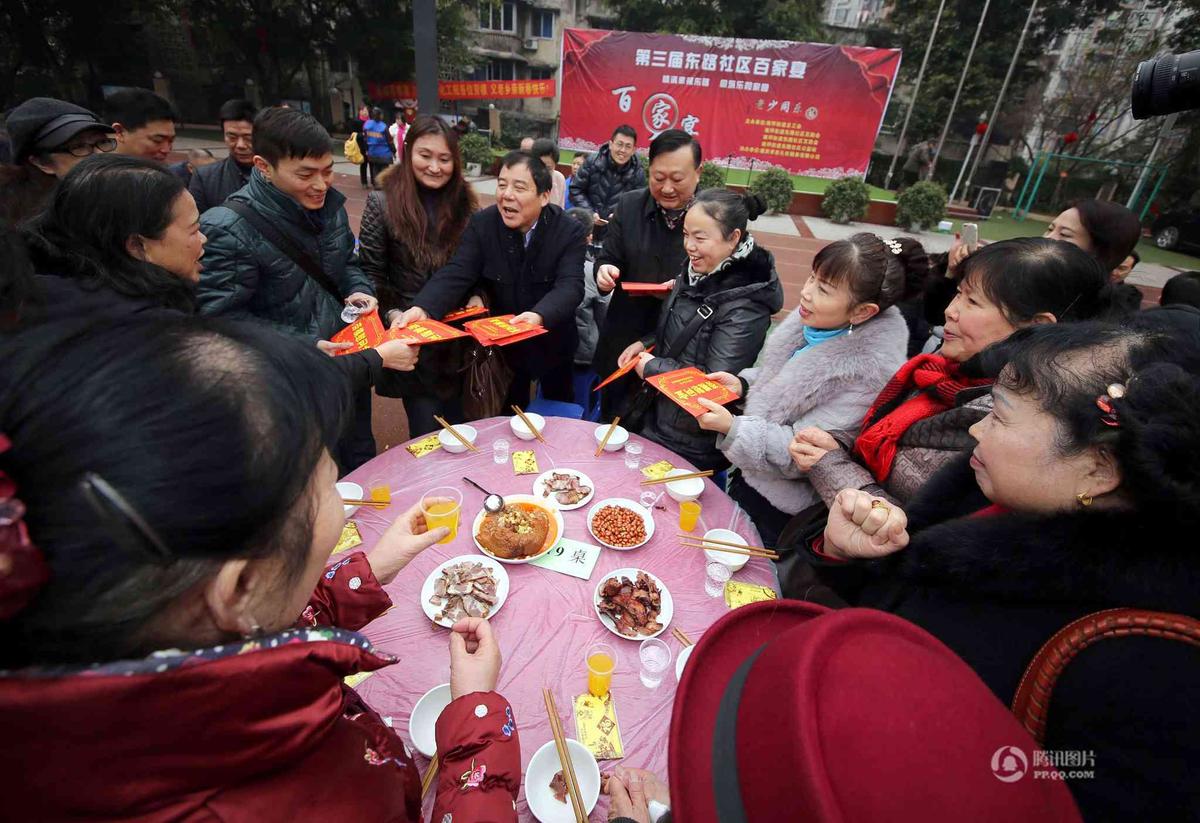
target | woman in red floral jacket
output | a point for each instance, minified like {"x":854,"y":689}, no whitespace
{"x":167,"y":512}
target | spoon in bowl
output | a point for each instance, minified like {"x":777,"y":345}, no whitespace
{"x":493,"y":503}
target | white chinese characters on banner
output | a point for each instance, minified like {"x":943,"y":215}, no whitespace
{"x":624,"y":102}
{"x":689,"y":125}
{"x":723,"y":63}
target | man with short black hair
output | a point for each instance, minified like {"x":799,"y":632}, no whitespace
{"x":526,"y":256}
{"x":212,"y":184}
{"x":280,"y":250}
{"x":144,"y":123}
{"x":609,"y":173}
{"x":546,"y":150}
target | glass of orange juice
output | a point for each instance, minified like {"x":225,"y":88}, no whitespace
{"x":601,"y":659}
{"x":442,"y":506}
{"x":379,"y":489}
{"x":689,"y":513}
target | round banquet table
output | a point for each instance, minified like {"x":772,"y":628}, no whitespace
{"x":548,"y":620}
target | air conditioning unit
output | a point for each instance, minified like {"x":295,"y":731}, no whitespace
{"x":530,"y":44}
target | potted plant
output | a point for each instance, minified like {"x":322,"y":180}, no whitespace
{"x":922,"y":204}
{"x":712,"y":176}
{"x":846,"y":200}
{"x":774,"y":186}
{"x":476,"y":153}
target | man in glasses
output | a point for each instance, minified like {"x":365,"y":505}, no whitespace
{"x":211,"y":184}
{"x":48,"y":138}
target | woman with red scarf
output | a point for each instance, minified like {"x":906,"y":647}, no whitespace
{"x":920,"y":420}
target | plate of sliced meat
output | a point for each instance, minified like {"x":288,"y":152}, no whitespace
{"x":467,"y":586}
{"x":633,"y":604}
{"x":565,"y":489}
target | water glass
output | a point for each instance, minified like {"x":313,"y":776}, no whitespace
{"x":441,"y":507}
{"x":601,"y":660}
{"x":500,"y":451}
{"x":649,"y":498}
{"x":656,"y":659}
{"x":717,"y":574}
{"x":633,"y":455}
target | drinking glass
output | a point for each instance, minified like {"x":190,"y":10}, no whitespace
{"x":717,"y":574}
{"x":633,"y":455}
{"x":500,"y":451}
{"x":649,"y":498}
{"x":656,"y":657}
{"x":442,"y":506}
{"x":379,"y":489}
{"x":600,"y":659}
{"x":689,"y":513}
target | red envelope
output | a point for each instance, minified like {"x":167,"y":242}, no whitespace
{"x":366,"y":332}
{"x":422,"y":332}
{"x":621,"y":372}
{"x":648,"y":288}
{"x":464,"y":313}
{"x":685,"y":386}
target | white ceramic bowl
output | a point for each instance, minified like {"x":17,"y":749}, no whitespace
{"x":681,"y":661}
{"x":683,"y":491}
{"x":520,"y":498}
{"x":350,"y":491}
{"x":541,"y":770}
{"x":521,"y":430}
{"x":634,"y":506}
{"x":731,"y":559}
{"x":666,"y":604}
{"x":620,"y":437}
{"x":451,"y":443}
{"x":425,"y":716}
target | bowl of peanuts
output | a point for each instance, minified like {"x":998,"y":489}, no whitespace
{"x":620,"y":524}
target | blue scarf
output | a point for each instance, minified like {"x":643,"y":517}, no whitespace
{"x":812,"y":337}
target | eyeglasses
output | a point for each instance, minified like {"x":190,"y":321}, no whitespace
{"x":87,"y":149}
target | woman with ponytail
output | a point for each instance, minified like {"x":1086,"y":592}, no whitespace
{"x":730,"y":286}
{"x":822,"y":366}
{"x":1082,"y":493}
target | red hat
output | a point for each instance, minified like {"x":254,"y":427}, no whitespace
{"x":790,"y":711}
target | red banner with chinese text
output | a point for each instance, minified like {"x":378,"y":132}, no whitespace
{"x":809,"y":108}
{"x":466,"y":89}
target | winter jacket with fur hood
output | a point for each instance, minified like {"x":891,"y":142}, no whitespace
{"x":831,"y":387}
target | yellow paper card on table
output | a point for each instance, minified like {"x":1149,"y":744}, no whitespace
{"x":742,"y":594}
{"x":657,"y":470}
{"x":354,"y":679}
{"x":596,"y":726}
{"x":424,"y":446}
{"x":349,"y":539}
{"x":525,"y":463}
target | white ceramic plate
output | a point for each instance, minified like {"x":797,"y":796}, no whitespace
{"x":498,"y":572}
{"x":520,"y":498}
{"x":351,"y":491}
{"x":541,"y":770}
{"x":681,"y":661}
{"x":633,"y":505}
{"x":664,"y":615}
{"x":425,"y":716}
{"x":539,"y":487}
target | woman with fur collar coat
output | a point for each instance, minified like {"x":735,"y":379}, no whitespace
{"x":822,"y":366}
{"x":1081,"y":495}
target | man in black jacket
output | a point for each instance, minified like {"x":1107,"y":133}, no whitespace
{"x":526,"y":256}
{"x":609,"y":173}
{"x":211,"y":184}
{"x":644,"y":245}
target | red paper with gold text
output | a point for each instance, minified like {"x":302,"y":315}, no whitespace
{"x":464,"y":313}
{"x":366,"y":332}
{"x":621,"y":372}
{"x":422,"y":332}
{"x":685,"y":386}
{"x":501,"y":331}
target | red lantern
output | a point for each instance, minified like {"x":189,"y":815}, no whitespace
{"x":981,"y":129}
{"x":1069,"y":138}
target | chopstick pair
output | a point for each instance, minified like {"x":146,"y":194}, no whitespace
{"x":528,"y":423}
{"x":442,"y":422}
{"x":612,"y":428}
{"x":681,"y":637}
{"x":674,"y":477}
{"x":564,"y":758}
{"x":726,"y":546}
{"x":372,"y":504}
{"x":428,"y":780}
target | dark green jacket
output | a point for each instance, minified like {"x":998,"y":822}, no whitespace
{"x":245,"y":276}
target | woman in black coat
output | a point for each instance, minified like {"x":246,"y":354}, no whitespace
{"x":732,"y":282}
{"x":1082,"y":494}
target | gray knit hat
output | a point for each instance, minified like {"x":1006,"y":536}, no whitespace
{"x":43,"y":123}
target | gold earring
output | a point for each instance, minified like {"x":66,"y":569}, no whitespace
{"x":1084,"y":499}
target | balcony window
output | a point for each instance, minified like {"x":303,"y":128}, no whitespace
{"x":541,"y":24}
{"x":498,"y":16}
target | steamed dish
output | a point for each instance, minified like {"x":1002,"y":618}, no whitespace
{"x":519,"y":530}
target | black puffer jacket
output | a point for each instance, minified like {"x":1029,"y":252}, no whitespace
{"x":211,"y":184}
{"x":600,"y":181}
{"x":745,"y":294}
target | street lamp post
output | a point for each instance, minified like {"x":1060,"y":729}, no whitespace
{"x":887,"y":182}
{"x":425,"y":40}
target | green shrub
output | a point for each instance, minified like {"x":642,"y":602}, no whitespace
{"x":774,"y":186}
{"x":476,"y":149}
{"x":846,"y":200}
{"x":712,"y":176}
{"x":921,"y":204}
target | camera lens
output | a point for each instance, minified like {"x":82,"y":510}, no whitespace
{"x":1166,"y":84}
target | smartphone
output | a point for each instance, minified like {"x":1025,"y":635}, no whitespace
{"x":970,"y":236}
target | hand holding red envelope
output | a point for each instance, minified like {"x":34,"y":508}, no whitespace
{"x":647,"y":288}
{"x":621,"y":372}
{"x":685,"y":386}
{"x":501,"y":331}
{"x":367,"y":332}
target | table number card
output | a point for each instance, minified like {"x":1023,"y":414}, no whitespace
{"x":424,"y":446}
{"x":572,"y":557}
{"x":525,"y":462}
{"x":596,"y":726}
{"x":349,"y":539}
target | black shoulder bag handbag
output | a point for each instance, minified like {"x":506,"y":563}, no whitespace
{"x":286,"y":245}
{"x":639,"y":405}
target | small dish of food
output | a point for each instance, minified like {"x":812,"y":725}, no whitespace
{"x":521,"y":430}
{"x":620,"y":437}
{"x":452,"y":444}
{"x":684,"y":491}
{"x":467,"y":586}
{"x":525,"y":529}
{"x":634,"y":604}
{"x":566,"y":489}
{"x":350,"y":491}
{"x":545,"y":789}
{"x":713,"y":551}
{"x":425,"y":716}
{"x":620,"y":524}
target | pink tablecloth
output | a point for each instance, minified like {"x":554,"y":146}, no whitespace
{"x":548,"y":620}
